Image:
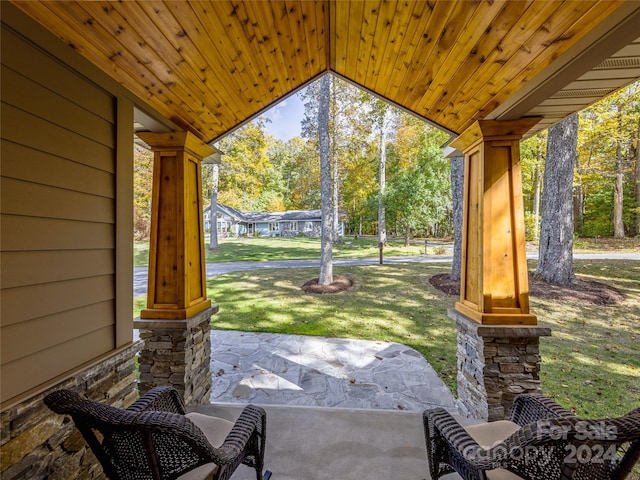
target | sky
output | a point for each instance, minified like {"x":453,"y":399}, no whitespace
{"x":285,"y":118}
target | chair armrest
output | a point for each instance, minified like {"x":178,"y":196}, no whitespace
{"x":251,"y":421}
{"x":529,"y":408}
{"x":448,"y":443}
{"x":163,"y":399}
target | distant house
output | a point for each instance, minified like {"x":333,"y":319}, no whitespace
{"x":292,"y":223}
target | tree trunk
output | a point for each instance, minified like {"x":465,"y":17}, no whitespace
{"x":555,"y":263}
{"x":213,"y":214}
{"x":457,"y":195}
{"x":407,"y":234}
{"x":326,"y":242}
{"x":335,"y":199}
{"x":382,"y":228}
{"x":578,"y":204}
{"x":636,"y":187}
{"x":335,"y":193}
{"x":618,"y":195}
{"x":536,"y":201}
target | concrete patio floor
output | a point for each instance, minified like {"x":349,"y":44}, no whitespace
{"x":319,"y":443}
{"x":337,"y":409}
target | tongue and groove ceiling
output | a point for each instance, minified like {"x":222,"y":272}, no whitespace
{"x":210,"y":66}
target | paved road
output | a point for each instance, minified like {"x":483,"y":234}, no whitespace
{"x":214,"y":269}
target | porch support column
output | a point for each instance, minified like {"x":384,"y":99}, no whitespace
{"x":176,"y":323}
{"x":494,"y":287}
{"x":498,"y":339}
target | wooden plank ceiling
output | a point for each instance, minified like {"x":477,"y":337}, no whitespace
{"x":212,"y":65}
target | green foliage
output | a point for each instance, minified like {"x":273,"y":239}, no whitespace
{"x":530,"y":226}
{"x":597,"y":211}
{"x":142,"y":183}
{"x":246,"y":168}
{"x":418,"y":196}
{"x":608,"y":141}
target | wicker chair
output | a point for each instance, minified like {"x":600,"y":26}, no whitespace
{"x":543,"y":441}
{"x":155,"y":439}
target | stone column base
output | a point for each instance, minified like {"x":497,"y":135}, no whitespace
{"x":495,"y":364}
{"x":177,"y":353}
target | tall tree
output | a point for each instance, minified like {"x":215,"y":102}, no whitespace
{"x":142,"y":191}
{"x":532,"y":155}
{"x":618,"y":193}
{"x":457,"y":195}
{"x":213,"y":212}
{"x":245,"y":172}
{"x":382,"y":119}
{"x":326,"y":241}
{"x":555,"y":258}
{"x":418,"y":194}
{"x":348,"y":134}
{"x":607,"y":150}
{"x":635,"y":229}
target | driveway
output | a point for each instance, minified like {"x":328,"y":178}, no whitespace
{"x":214,"y":269}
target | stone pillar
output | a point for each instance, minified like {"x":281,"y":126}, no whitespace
{"x":493,"y":278}
{"x":495,"y":364}
{"x":175,"y":325}
{"x":177,"y":353}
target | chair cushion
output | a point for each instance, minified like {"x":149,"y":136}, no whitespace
{"x":216,"y":430}
{"x":203,"y":472}
{"x":489,"y":435}
{"x":501,"y":474}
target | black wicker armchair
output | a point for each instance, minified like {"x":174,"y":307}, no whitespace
{"x":543,"y":441}
{"x":156,"y":439}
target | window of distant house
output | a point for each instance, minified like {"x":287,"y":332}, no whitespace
{"x":273,"y":227}
{"x":293,"y":226}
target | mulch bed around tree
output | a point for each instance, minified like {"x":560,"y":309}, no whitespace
{"x":588,"y":291}
{"x":340,"y":284}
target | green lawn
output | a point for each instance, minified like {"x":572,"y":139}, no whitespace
{"x":591,"y":364}
{"x":265,"y":248}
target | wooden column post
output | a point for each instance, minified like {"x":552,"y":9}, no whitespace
{"x":177,"y":276}
{"x":494,"y":287}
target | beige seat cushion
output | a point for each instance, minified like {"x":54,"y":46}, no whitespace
{"x":216,"y":430}
{"x":489,"y":435}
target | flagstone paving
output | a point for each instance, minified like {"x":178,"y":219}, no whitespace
{"x":276,"y":369}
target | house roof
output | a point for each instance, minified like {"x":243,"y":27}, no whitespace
{"x":258,"y":217}
{"x":209,"y":66}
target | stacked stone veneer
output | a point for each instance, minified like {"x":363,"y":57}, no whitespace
{"x":495,"y":364}
{"x":37,"y":443}
{"x":177,"y":353}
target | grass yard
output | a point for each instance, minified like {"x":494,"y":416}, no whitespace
{"x":591,"y":364}
{"x":276,"y":248}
